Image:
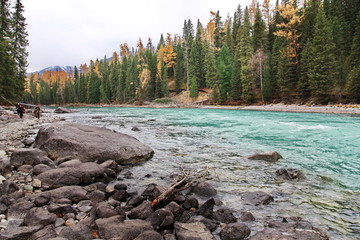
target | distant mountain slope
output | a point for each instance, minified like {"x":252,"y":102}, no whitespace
{"x":67,"y":69}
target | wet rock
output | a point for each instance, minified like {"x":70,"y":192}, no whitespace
{"x":135,"y":129}
{"x":116,"y":228}
{"x":257,"y":198}
{"x":39,"y":216}
{"x":19,"y":233}
{"x":290,"y":174}
{"x":266,"y":156}
{"x":90,"y":144}
{"x":190,"y":202}
{"x":143,"y":211}
{"x":149,"y":235}
{"x":188,"y":231}
{"x":206,"y":209}
{"x":235,"y":231}
{"x":29,"y":156}
{"x":120,"y":186}
{"x":290,"y":228}
{"x":204,"y":189}
{"x":247,"y":217}
{"x":161,"y":218}
{"x":224,"y":215}
{"x":43,"y":199}
{"x":40,"y":168}
{"x":153,"y":191}
{"x":63,"y":110}
{"x":111,"y":164}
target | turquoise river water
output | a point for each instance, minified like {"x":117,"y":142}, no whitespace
{"x":325,"y":147}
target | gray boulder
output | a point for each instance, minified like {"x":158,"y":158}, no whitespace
{"x":192,"y":231}
{"x":67,"y":192}
{"x":143,"y":211}
{"x":266,"y":156}
{"x":257,"y":198}
{"x":39,"y":216}
{"x":85,"y":174}
{"x":29,"y":156}
{"x":19,"y":233}
{"x":235,"y":231}
{"x":40,"y":168}
{"x":149,"y":235}
{"x":161,"y":218}
{"x":89,"y":144}
{"x":115,"y":227}
{"x":224,"y":215}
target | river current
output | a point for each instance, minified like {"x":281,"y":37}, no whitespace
{"x":325,"y":147}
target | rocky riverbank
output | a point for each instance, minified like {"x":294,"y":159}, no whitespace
{"x":74,"y":187}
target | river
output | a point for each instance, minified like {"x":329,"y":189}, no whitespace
{"x":325,"y":147}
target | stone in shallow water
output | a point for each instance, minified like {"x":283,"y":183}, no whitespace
{"x":266,"y":156}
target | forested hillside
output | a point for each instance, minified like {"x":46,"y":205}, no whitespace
{"x":13,"y":54}
{"x":291,"y":52}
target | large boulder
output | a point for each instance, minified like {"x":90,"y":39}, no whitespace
{"x":192,"y":231}
{"x":115,"y":227}
{"x":235,"y":231}
{"x":266,"y":156}
{"x":29,"y":156}
{"x":88,"y":144}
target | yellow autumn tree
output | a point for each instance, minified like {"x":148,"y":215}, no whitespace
{"x":169,"y":55}
{"x":289,"y":28}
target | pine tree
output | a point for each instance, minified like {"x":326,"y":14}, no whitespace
{"x":8,"y":80}
{"x":19,"y":42}
{"x":321,"y":70}
{"x":188,"y":35}
{"x":259,"y":37}
{"x":219,"y":31}
{"x":196,"y":63}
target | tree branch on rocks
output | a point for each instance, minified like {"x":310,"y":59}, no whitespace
{"x":183,"y":181}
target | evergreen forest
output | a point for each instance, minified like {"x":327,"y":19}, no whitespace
{"x":293,"y":52}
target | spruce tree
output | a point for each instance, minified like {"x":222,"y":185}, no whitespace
{"x":321,"y":71}
{"x":224,"y":71}
{"x":353,"y":79}
{"x":245,"y":52}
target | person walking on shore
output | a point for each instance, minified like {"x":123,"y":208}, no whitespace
{"x":37,"y":112}
{"x":21,"y":110}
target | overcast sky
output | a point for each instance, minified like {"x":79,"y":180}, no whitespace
{"x":71,"y":32}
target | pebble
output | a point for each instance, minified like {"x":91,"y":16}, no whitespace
{"x":28,"y":188}
{"x":2,"y":179}
{"x":36,"y":183}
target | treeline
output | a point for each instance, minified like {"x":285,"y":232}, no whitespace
{"x":13,"y":54}
{"x":291,"y":53}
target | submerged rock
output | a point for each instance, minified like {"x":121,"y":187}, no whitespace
{"x":88,"y":143}
{"x":290,"y":174}
{"x":291,"y":229}
{"x":257,"y":198}
{"x":266,"y":156}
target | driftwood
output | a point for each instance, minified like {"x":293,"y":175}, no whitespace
{"x":181,"y":182}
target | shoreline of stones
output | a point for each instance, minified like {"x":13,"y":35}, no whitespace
{"x":65,"y":198}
